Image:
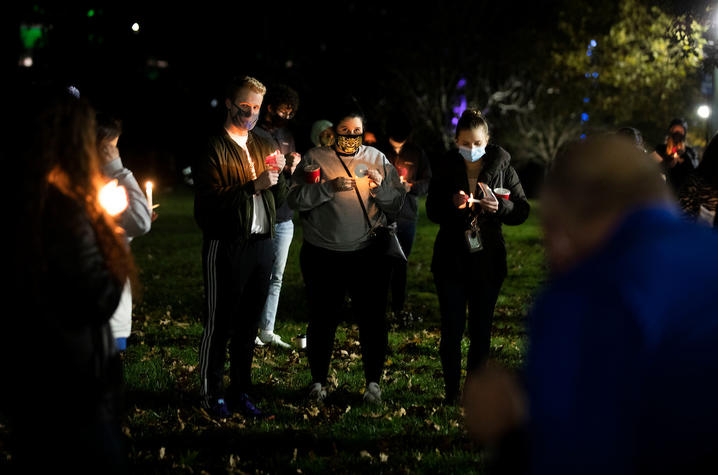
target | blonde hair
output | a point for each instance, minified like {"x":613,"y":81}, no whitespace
{"x":241,"y":82}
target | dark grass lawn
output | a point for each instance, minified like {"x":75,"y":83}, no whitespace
{"x":412,"y":432}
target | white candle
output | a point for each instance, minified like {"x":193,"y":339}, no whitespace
{"x":472,"y":199}
{"x":148,"y":188}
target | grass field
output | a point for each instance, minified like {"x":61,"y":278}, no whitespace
{"x":412,"y":432}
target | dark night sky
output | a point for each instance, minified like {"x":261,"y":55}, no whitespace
{"x":322,"y":49}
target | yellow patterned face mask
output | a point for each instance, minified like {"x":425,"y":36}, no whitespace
{"x":348,"y":144}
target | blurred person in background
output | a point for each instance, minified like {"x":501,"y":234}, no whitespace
{"x":136,"y":220}
{"x":70,"y":264}
{"x":412,"y":165}
{"x":322,"y":133}
{"x":698,"y":196}
{"x":620,"y":372}
{"x":677,"y":158}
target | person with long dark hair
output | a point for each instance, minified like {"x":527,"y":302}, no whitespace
{"x":469,"y":262}
{"x":341,"y":192}
{"x":70,"y":263}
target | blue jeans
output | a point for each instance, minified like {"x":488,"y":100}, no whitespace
{"x":283,"y":233}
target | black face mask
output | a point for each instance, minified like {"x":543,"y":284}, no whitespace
{"x":678,"y":137}
{"x":348,"y":144}
{"x":278,"y":121}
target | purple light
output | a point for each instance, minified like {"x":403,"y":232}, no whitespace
{"x":461,"y":84}
{"x":455,"y":121}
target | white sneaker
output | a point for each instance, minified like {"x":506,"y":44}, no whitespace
{"x":317,"y":393}
{"x":372,"y":394}
{"x":257,"y":341}
{"x":271,"y":338}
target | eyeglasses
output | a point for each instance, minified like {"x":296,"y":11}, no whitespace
{"x":286,"y":113}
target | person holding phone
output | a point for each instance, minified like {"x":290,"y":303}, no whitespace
{"x":677,"y":158}
{"x":469,"y":261}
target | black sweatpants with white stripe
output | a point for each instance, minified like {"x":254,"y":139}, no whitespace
{"x":236,"y":280}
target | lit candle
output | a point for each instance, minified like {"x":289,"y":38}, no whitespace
{"x":472,"y":199}
{"x":148,"y":188}
{"x":113,"y":198}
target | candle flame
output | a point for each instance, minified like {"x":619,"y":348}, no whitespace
{"x":113,"y":198}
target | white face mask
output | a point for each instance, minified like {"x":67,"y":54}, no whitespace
{"x":473,"y":154}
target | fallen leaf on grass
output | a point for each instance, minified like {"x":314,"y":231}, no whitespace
{"x":365,"y":454}
{"x":383,"y":457}
{"x":162,"y":453}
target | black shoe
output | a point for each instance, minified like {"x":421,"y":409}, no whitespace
{"x":245,"y":406}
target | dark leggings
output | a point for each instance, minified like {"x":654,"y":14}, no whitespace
{"x":329,"y":276}
{"x":455,"y":292}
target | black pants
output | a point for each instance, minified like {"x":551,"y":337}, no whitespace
{"x":329,"y":276}
{"x":236,"y":279}
{"x":480,"y":290}
{"x":406,"y":230}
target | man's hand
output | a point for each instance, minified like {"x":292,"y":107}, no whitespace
{"x":341,"y":183}
{"x":295,"y":158}
{"x":494,"y":403}
{"x":374,"y":176}
{"x":267,"y":179}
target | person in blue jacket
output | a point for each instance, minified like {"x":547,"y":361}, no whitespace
{"x":620,"y":373}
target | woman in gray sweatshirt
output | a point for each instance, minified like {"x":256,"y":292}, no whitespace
{"x":338,"y":257}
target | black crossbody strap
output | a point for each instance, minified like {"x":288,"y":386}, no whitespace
{"x":361,"y":201}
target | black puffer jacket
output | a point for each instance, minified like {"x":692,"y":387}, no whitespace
{"x":451,"y":253}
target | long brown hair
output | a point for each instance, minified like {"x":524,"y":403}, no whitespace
{"x":63,"y":154}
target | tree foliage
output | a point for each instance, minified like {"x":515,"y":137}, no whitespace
{"x":648,"y":64}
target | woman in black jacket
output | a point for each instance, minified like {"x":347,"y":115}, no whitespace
{"x":469,"y":262}
{"x":69,"y":265}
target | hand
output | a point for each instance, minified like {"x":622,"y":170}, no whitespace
{"x":460,"y":199}
{"x":154,"y":217}
{"x":295,"y":159}
{"x":267,"y":179}
{"x":108,"y":152}
{"x":343,"y":184}
{"x":494,"y":403}
{"x":489,"y":205}
{"x":407,"y":186}
{"x":281,"y":161}
{"x":374,"y":176}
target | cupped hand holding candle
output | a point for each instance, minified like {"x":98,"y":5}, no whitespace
{"x":113,"y":198}
{"x":460,"y":199}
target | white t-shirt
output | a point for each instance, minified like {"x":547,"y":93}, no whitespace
{"x":260,"y":220}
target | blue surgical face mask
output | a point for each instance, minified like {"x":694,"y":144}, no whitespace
{"x":473,"y":154}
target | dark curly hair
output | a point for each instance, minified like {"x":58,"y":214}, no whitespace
{"x":282,"y":94}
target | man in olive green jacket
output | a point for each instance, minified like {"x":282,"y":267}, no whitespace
{"x":238,"y":190}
